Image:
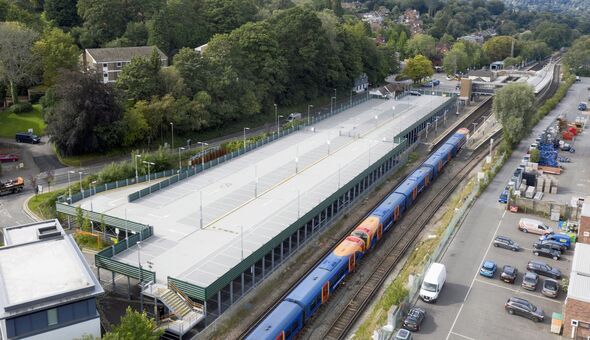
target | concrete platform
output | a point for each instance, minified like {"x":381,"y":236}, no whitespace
{"x":248,"y":201}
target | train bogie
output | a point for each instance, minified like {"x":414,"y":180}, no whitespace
{"x":284,"y":322}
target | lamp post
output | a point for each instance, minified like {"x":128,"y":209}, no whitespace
{"x":81,"y":189}
{"x":149,"y":174}
{"x":179,"y":159}
{"x":277,"y":117}
{"x":393,"y":112}
{"x":203,"y":144}
{"x":308,"y":107}
{"x":136,"y":173}
{"x":351,"y":91}
{"x":334,"y":94}
{"x":188,"y":143}
{"x":328,"y":142}
{"x":172,"y":136}
{"x":140,"y":275}
{"x":332,"y":101}
{"x":69,"y":185}
{"x":245,"y":129}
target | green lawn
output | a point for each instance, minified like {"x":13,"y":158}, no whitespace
{"x":11,"y":123}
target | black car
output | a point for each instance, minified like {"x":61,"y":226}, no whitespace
{"x":553,"y":244}
{"x":550,"y":288}
{"x":509,"y":274}
{"x":530,"y":281}
{"x":506,"y":243}
{"x":518,"y":306}
{"x":546,"y":252}
{"x":414,"y":93}
{"x":544,"y":269}
{"x":414,"y":319}
{"x":26,"y":137}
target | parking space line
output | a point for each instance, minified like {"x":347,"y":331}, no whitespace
{"x":462,"y":336}
{"x":476,"y":274}
{"x":519,"y":291}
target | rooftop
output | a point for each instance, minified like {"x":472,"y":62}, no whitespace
{"x":259,"y":194}
{"x":41,"y":266}
{"x":115,"y":54}
{"x":579,"y":284}
{"x":586,"y":207}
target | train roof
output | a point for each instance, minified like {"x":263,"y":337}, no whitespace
{"x":276,"y":321}
{"x":332,"y":261}
{"x":389,"y":204}
{"x":421,"y":173}
{"x":310,"y":287}
{"x":456,"y":138}
{"x":440,"y":154}
{"x":406,"y":187}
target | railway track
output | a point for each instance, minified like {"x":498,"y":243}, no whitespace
{"x":407,"y":232}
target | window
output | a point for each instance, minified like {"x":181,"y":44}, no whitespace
{"x":119,"y":64}
{"x":52,"y":316}
{"x":105,"y":65}
{"x":106,"y":75}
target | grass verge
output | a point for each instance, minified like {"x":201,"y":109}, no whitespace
{"x":11,"y":123}
{"x":44,"y":204}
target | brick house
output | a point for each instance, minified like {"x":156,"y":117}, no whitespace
{"x":110,"y":61}
{"x":576,"y":321}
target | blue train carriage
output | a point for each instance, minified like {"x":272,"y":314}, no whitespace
{"x":390,"y":210}
{"x":458,"y":140}
{"x":439,"y":159}
{"x":422,"y":177}
{"x":284,"y":323}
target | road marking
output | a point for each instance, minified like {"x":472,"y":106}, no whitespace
{"x":462,"y":336}
{"x":476,"y":274}
{"x":518,"y":291}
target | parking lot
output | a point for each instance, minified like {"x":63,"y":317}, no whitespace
{"x":471,"y":306}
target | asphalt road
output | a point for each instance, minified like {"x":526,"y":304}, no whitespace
{"x":470,"y":306}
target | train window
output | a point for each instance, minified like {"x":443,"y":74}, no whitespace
{"x":314,"y":303}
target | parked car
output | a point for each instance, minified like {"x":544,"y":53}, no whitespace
{"x":414,"y":93}
{"x":509,"y":274}
{"x":414,"y":319}
{"x":433,"y":282}
{"x":545,"y":252}
{"x":561,"y":238}
{"x":529,"y":225}
{"x":550,"y":288}
{"x":506,"y":243}
{"x":403,"y":334}
{"x":555,"y":245}
{"x":552,"y":245}
{"x":583,"y":106}
{"x":578,"y":78}
{"x":294,"y":116}
{"x":543,"y":269}
{"x":518,"y":306}
{"x":26,"y":137}
{"x":5,"y":158}
{"x":488,"y":269}
{"x":530,"y":281}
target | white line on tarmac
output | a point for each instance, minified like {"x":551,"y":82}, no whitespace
{"x":519,"y":291}
{"x":462,"y":336}
{"x":476,"y":274}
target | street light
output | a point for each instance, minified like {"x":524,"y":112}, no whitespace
{"x":172,"y":137}
{"x":332,"y":99}
{"x":334,"y":94}
{"x":179,"y":159}
{"x":308,"y":107}
{"x":149,"y":174}
{"x":393,"y":112}
{"x":69,"y":185}
{"x":277,"y":117}
{"x":328,"y":142}
{"x":203,"y":144}
{"x":136,"y":174}
{"x":245,"y":129}
{"x":81,"y":189}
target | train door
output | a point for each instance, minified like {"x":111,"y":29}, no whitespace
{"x":414,"y":193}
{"x":427,"y":181}
{"x":448,"y":156}
{"x":281,"y":336}
{"x":379,"y":231}
{"x":351,"y":262}
{"x":396,"y":213}
{"x":439,"y":166}
{"x":325,"y":292}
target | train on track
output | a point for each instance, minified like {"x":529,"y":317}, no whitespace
{"x":287,"y":319}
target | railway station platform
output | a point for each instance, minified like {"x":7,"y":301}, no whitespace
{"x":216,"y":235}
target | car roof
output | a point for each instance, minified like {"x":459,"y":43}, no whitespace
{"x":530,"y":274}
{"x":500,"y":237}
{"x":508,"y":267}
{"x":519,"y":300}
{"x":538,"y":262}
{"x":489,"y":263}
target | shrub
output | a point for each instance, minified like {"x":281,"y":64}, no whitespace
{"x":21,"y":107}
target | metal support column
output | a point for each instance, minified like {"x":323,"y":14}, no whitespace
{"x":231,"y":292}
{"x":219,"y":302}
{"x":272,"y":258}
{"x":253,"y":270}
{"x":113,"y":279}
{"x":242,"y":285}
{"x":282,"y":251}
{"x":264,"y":266}
{"x":290,"y":244}
{"x":129,"y":287}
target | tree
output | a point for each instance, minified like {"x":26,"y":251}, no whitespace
{"x":500,"y":47}
{"x":554,"y":34}
{"x":56,"y":50}
{"x":455,"y":60}
{"x":535,"y":50}
{"x":422,"y":44}
{"x":62,"y":12}
{"x":578,"y":56}
{"x":134,"y":325}
{"x":514,"y":107}
{"x":33,"y":182}
{"x":192,"y":68}
{"x":18,"y":65}
{"x":418,"y":68}
{"x":135,"y":125}
{"x":49,"y":178}
{"x":223,"y":16}
{"x":86,"y":116}
{"x":140,"y":79}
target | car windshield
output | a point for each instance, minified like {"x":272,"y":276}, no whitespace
{"x":488,"y":265}
{"x":508,"y":270}
{"x":530,"y":278}
{"x":550,"y":285}
{"x":431,"y":287}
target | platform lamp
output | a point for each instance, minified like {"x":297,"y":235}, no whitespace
{"x":69,"y":185}
{"x":136,"y":173}
{"x":81,"y":188}
{"x":245,"y":129}
{"x":203,"y":144}
{"x":148,"y":165}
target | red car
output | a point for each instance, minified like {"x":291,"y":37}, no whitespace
{"x":5,"y":158}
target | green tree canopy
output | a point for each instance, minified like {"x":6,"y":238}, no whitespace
{"x":134,"y":325}
{"x":18,"y":65}
{"x":455,"y":60}
{"x":62,"y":12}
{"x":140,"y":79}
{"x":499,"y":48}
{"x":423,"y":44}
{"x":56,"y":50}
{"x":514,"y":107}
{"x":578,"y":56}
{"x":554,"y":34}
{"x":418,"y":68}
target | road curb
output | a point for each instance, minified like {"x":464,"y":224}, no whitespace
{"x":28,"y":211}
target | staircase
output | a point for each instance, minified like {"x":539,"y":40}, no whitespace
{"x":176,"y":305}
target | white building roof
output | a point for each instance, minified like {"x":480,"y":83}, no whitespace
{"x":579,"y":285}
{"x":180,"y":249}
{"x":581,"y":261}
{"x":41,"y":266}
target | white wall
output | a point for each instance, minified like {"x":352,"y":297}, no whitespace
{"x":91,"y":327}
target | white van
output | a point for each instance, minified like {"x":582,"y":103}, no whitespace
{"x":433,"y":283}
{"x":294,"y":116}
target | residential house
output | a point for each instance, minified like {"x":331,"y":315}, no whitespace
{"x":411,"y":18}
{"x":48,"y":291}
{"x":201,"y":49}
{"x":110,"y":61}
{"x":361,"y":83}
